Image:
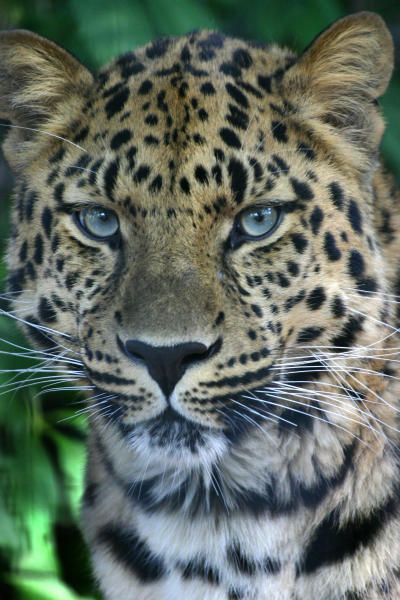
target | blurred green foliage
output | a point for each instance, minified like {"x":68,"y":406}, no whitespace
{"x":42,"y":556}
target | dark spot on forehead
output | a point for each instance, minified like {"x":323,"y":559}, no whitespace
{"x":242,"y":58}
{"x":79,"y":166}
{"x":157,"y":48}
{"x":141,"y":174}
{"x":145,"y":87}
{"x":249,"y":88}
{"x":299,"y":242}
{"x":355,"y":217}
{"x":30,"y":204}
{"x":161,"y":104}
{"x":230,"y":69}
{"x":281,"y":164}
{"x":94,"y":169}
{"x":237,"y":95}
{"x":258,"y":172}
{"x":207,"y":54}
{"x":301,"y":189}
{"x":213,"y":39}
{"x":265,"y":83}
{"x":38,"y":253}
{"x":151,"y":140}
{"x":230,"y":138}
{"x":23,"y":252}
{"x":336,"y":194}
{"x":236,"y":117}
{"x":59,"y":192}
{"x":185,"y":186}
{"x":238,"y":175}
{"x":110,"y":178}
{"x":156,"y":185}
{"x":47,"y":219}
{"x":316,"y":298}
{"x":219,"y":155}
{"x":207,"y":89}
{"x":81,"y":135}
{"x":196,"y":72}
{"x":112,"y":90}
{"x":165,"y":72}
{"x":120,"y":138}
{"x":46,"y":311}
{"x":337,"y":307}
{"x":308,"y":334}
{"x":58,"y":156}
{"x":132,"y":69}
{"x":306,"y":151}
{"x":293,"y":268}
{"x":279,"y":131}
{"x":201,"y":174}
{"x":316,"y":219}
{"x":203,"y":114}
{"x":126,"y":58}
{"x":185,"y":54}
{"x":117,"y":102}
{"x":330,"y":247}
{"x":151,"y":120}
{"x":367,"y":284}
{"x":356,"y":264}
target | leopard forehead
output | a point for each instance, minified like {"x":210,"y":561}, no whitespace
{"x":170,"y":113}
{"x":178,"y":138}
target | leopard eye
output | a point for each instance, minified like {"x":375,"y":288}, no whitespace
{"x":254,"y":223}
{"x":97,"y":222}
{"x":258,"y":221}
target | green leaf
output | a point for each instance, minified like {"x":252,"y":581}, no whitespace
{"x":42,"y":586}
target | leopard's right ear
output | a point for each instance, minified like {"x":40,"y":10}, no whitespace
{"x":37,"y":79}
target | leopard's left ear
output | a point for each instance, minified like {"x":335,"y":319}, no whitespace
{"x":340,"y":76}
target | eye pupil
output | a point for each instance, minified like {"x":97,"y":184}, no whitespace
{"x":258,"y":217}
{"x":98,"y":222}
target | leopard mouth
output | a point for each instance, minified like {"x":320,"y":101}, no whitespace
{"x":172,"y":430}
{"x":258,"y":406}
{"x":238,"y":413}
{"x":167,"y":430}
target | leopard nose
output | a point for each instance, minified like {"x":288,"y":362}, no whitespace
{"x":167,"y":364}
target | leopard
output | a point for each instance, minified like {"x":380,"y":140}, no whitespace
{"x":204,"y":235}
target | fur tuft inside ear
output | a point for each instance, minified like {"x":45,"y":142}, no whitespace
{"x":37,"y":79}
{"x":341,"y":74}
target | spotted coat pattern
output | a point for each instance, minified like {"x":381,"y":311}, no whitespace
{"x":244,"y":399}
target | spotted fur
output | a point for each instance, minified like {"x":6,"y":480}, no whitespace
{"x":243,"y":395}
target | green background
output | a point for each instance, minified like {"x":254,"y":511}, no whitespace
{"x":42,"y":556}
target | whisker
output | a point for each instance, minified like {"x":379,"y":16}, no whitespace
{"x":368,"y":293}
{"x":44,"y":133}
{"x":316,"y":417}
{"x":34,"y":325}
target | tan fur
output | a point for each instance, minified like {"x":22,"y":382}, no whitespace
{"x":270,"y":468}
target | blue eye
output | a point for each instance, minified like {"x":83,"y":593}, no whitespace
{"x":98,"y":222}
{"x":254,"y":223}
{"x":258,"y":221}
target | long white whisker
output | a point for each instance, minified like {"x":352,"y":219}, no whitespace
{"x":58,"y":137}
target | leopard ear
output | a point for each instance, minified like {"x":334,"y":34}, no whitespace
{"x":37,"y":79}
{"x":340,"y":76}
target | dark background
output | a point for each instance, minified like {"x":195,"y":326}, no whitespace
{"x":42,"y":556}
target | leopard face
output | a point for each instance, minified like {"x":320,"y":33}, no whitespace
{"x":197,"y":226}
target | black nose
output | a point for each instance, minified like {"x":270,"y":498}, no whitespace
{"x":167,"y":364}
